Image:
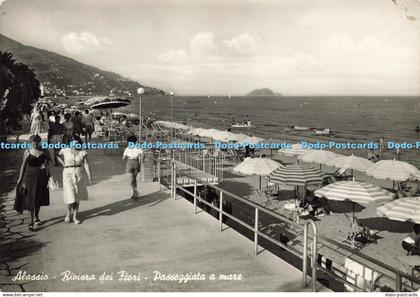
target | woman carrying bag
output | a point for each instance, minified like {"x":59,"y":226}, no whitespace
{"x":32,"y":188}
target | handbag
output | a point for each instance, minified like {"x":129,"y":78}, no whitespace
{"x":21,"y":192}
{"x":53,"y":184}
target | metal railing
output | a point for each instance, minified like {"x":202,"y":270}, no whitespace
{"x":258,"y":209}
{"x":170,"y":171}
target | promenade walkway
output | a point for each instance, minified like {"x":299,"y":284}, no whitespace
{"x":155,"y":234}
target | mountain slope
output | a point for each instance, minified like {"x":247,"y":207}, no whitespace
{"x":64,"y":76}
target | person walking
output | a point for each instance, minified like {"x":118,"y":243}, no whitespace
{"x":68,"y":128}
{"x":36,"y":121}
{"x":33,"y":178}
{"x":134,"y":157}
{"x":77,"y":123}
{"x":76,"y":170}
{"x":55,"y":135}
{"x":89,"y":125}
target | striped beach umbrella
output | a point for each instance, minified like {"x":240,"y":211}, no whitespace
{"x":354,"y":191}
{"x":351,"y":162}
{"x":318,"y":156}
{"x":257,"y":166}
{"x":404,"y":209}
{"x":298,"y":175}
{"x":393,"y":170}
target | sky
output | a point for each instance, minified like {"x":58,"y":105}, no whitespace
{"x":220,"y":47}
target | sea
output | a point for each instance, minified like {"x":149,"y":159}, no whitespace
{"x":351,"y":119}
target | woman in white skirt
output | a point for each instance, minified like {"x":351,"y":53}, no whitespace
{"x":76,"y":169}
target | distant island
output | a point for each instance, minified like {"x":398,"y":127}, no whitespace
{"x":263,"y":92}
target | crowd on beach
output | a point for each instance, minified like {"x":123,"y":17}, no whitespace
{"x":35,"y":176}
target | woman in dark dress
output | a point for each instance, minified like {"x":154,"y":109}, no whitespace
{"x":34,"y":174}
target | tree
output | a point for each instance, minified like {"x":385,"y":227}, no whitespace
{"x":19,"y":88}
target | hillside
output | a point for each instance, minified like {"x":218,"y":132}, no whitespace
{"x":64,"y":76}
{"x":262,"y":92}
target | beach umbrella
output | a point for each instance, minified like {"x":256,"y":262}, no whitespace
{"x":318,"y":156}
{"x":132,"y":116}
{"x":196,"y":131}
{"x":393,"y":170}
{"x":403,"y":209}
{"x":351,"y":162}
{"x":295,"y":150}
{"x":93,"y":100}
{"x":209,"y":133}
{"x":115,"y":103}
{"x":224,"y":136}
{"x":354,"y":191}
{"x":257,"y":166}
{"x":251,"y":140}
{"x":240,"y":137}
{"x":298,"y":175}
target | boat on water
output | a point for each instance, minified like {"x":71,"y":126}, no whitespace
{"x":326,"y":131}
{"x":317,"y":131}
{"x":246,"y":124}
{"x":300,"y":128}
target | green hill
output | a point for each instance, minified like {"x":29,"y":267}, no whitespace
{"x":64,"y":76}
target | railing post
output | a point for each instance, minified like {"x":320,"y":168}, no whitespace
{"x":305,"y":256}
{"x":256,"y":232}
{"x":158,"y":173}
{"x":221,"y":211}
{"x":172,"y":178}
{"x":398,"y":283}
{"x":313,"y":256}
{"x":195,"y":196}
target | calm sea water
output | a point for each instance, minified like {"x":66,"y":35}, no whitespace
{"x":358,"y":119}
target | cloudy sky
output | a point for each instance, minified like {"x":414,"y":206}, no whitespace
{"x":217,"y":47}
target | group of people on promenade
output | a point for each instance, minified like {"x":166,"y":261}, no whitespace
{"x":36,"y":178}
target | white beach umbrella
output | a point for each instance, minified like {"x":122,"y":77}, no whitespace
{"x":318,"y":156}
{"x":240,"y":137}
{"x":224,"y":136}
{"x":295,"y":150}
{"x":393,"y":170}
{"x":252,"y":140}
{"x":209,"y":133}
{"x":351,"y":162}
{"x":404,"y":209}
{"x":132,"y":116}
{"x":257,"y":166}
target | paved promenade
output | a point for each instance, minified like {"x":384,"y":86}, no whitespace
{"x":155,"y":234}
